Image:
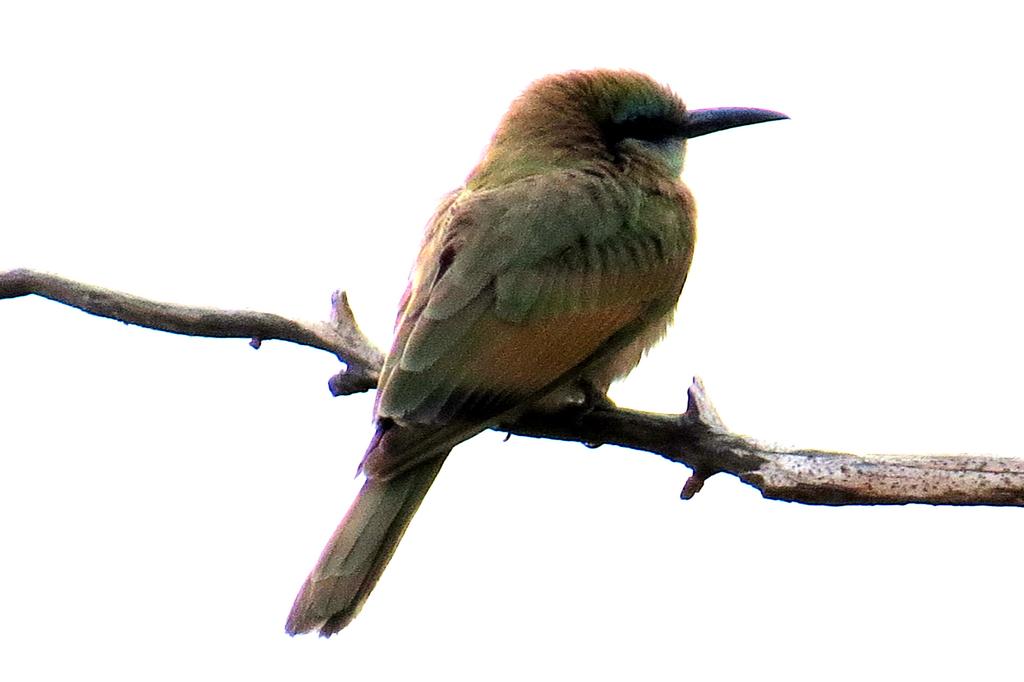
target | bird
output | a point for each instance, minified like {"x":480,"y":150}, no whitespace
{"x":539,"y":282}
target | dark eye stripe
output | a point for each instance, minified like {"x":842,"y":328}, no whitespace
{"x":647,"y":128}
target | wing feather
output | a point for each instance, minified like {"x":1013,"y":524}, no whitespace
{"x":540,"y":274}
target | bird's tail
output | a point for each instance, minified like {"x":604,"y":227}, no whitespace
{"x":359,"y":550}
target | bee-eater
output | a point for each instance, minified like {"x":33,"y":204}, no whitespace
{"x":546,"y":277}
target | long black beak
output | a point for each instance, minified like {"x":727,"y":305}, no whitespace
{"x":703,"y":121}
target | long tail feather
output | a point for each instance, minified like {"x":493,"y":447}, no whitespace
{"x":359,"y":550}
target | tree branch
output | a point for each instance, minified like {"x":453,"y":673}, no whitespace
{"x":699,"y":439}
{"x":340,"y":336}
{"x":696,"y":438}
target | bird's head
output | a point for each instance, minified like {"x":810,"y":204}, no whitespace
{"x":619,"y":117}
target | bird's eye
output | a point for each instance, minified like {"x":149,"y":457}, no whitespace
{"x":646,"y":128}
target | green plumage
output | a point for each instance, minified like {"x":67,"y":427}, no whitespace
{"x":560,"y":243}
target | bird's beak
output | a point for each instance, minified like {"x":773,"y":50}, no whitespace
{"x":703,"y":121}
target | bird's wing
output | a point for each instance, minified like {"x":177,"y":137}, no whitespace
{"x":518,"y":286}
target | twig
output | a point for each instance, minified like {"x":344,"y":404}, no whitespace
{"x":696,"y":438}
{"x":341,"y":336}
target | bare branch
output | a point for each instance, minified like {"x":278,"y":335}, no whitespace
{"x":341,"y":336}
{"x":696,"y":438}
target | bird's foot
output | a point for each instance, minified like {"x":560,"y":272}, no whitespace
{"x":593,"y":398}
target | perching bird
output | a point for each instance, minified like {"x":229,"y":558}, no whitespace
{"x":548,"y":275}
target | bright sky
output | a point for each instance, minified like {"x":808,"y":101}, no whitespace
{"x":856,"y":287}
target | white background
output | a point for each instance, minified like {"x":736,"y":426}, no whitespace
{"x":856,"y":287}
